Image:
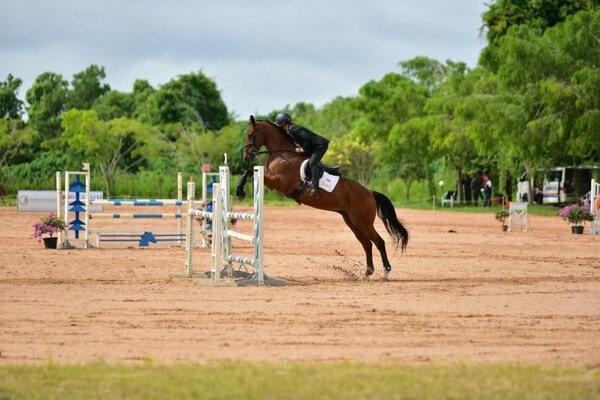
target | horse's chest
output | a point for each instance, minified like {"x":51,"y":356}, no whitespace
{"x":283,"y":180}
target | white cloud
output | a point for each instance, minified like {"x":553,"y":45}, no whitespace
{"x":262,"y":56}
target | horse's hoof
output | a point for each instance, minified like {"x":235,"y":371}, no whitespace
{"x":241,"y":195}
{"x":385,"y":275}
{"x":369,"y":272}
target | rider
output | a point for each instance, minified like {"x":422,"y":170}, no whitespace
{"x":309,"y":142}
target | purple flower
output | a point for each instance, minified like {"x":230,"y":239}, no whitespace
{"x":48,"y":225}
{"x":576,"y":214}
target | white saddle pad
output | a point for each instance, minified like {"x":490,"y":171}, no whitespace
{"x":328,"y":182}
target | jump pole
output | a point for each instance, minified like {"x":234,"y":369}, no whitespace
{"x":179,"y":215}
{"x":188,"y":271}
{"x":59,"y":200}
{"x":595,"y":207}
{"x":64,"y":243}
{"x":222,"y":259}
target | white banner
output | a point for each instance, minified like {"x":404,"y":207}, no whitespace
{"x":45,"y":200}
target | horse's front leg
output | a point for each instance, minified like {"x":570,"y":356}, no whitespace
{"x":239,"y":190}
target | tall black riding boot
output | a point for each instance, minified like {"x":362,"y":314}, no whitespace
{"x":315,"y":181}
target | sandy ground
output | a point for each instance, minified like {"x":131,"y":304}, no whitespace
{"x":463,"y":291}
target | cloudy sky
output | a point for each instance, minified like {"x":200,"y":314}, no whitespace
{"x":263,"y":55}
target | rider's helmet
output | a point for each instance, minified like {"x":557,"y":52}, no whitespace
{"x":283,"y":118}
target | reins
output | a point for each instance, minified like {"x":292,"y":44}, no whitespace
{"x":274,"y":151}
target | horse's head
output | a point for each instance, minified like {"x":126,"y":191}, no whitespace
{"x":264,"y":133}
{"x":253,"y":141}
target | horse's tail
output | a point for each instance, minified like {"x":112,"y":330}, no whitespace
{"x":387,"y":214}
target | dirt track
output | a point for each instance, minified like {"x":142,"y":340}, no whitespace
{"x":464,"y":291}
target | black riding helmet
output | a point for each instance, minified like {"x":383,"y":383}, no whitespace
{"x":283,"y":118}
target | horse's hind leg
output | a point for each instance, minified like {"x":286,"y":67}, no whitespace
{"x":374,"y":237}
{"x":364,"y":241}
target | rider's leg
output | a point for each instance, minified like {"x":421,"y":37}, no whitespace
{"x":314,"y":169}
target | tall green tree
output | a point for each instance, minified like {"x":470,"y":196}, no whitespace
{"x":115,"y":104}
{"x":196,"y":146}
{"x":355,"y":157}
{"x":409,"y":154}
{"x":189,"y":99}
{"x":118,"y":144}
{"x":47,"y":99}
{"x":14,"y":136}
{"x":142,"y":90}
{"x":87,"y":86}
{"x":338,"y":117}
{"x":555,"y":79}
{"x":539,"y":106}
{"x":426,"y":71}
{"x":385,"y":103}
{"x":10,"y":105}
{"x":539,"y":15}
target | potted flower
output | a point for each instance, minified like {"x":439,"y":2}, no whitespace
{"x":576,"y":215}
{"x":502,"y":216}
{"x":48,"y":226}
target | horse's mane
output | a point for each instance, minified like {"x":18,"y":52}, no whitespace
{"x":279,"y":129}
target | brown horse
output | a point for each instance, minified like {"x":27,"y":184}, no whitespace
{"x":357,"y":204}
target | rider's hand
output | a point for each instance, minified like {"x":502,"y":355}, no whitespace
{"x":299,"y":150}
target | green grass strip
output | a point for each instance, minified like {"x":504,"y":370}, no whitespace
{"x":297,"y":381}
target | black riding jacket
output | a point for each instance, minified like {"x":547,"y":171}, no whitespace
{"x":307,"y":139}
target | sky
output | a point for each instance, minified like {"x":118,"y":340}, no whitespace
{"x":263,"y":55}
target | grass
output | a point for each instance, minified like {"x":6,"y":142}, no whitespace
{"x":297,"y":381}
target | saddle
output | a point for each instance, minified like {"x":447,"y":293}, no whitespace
{"x":306,"y":178}
{"x":335,"y":171}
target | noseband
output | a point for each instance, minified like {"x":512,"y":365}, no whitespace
{"x":252,"y":150}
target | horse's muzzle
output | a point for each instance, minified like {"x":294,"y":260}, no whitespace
{"x":250,"y":155}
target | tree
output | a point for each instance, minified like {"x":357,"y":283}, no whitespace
{"x":14,"y":135}
{"x":450,"y":128}
{"x":115,"y":104}
{"x":383,"y":104}
{"x":337,"y":118}
{"x":539,"y":15}
{"x":425,"y":70}
{"x":47,"y":100}
{"x":189,"y":99}
{"x":87,"y":87}
{"x":120,"y":143}
{"x":10,"y":105}
{"x":196,"y":147}
{"x":355,"y":157}
{"x":409,"y":153}
{"x":142,"y":90}
{"x":554,"y":79}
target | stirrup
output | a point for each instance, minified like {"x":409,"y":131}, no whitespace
{"x":315,"y":192}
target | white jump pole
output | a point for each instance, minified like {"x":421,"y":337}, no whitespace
{"x":59,"y":234}
{"x":188,"y":271}
{"x":86,"y":173}
{"x":221,"y":258}
{"x":594,"y":195}
{"x":180,"y":199}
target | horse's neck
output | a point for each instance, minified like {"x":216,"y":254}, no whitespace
{"x":282,"y":149}
{"x":278,"y":141}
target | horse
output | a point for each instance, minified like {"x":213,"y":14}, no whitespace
{"x":357,"y":205}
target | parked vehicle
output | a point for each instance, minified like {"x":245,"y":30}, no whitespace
{"x":559,"y":185}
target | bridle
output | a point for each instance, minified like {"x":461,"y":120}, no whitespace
{"x":253,"y":151}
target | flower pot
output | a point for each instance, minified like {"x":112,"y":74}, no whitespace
{"x":50,"y":243}
{"x":577,"y":229}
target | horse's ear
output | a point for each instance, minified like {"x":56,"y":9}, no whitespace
{"x":252,"y":120}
